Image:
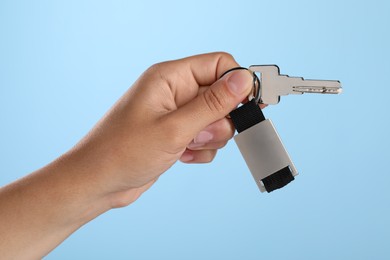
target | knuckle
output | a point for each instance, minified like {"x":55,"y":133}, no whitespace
{"x":218,"y":145}
{"x":222,"y":144}
{"x":224,"y":130}
{"x":225,"y":61}
{"x":214,"y":101}
{"x":225,"y":55}
{"x":230,"y":134}
{"x":154,"y":68}
{"x":158,"y":66}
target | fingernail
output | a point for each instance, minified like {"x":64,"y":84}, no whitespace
{"x":193,"y":145}
{"x":187,"y":156}
{"x":203,"y":137}
{"x":240,"y":81}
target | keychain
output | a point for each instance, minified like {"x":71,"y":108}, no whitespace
{"x":257,"y":139}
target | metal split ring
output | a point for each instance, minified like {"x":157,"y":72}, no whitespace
{"x":255,"y":94}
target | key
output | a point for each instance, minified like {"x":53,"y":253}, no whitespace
{"x":273,"y":84}
{"x":257,"y":138}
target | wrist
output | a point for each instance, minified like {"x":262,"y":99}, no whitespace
{"x":80,"y":185}
{"x":95,"y":170}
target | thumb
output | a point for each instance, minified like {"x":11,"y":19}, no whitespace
{"x":214,"y":103}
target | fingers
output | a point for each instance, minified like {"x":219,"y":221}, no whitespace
{"x":208,"y":146}
{"x":204,"y":88}
{"x":205,"y":145}
{"x":219,"y":131}
{"x":184,"y":76}
{"x":203,"y":156}
{"x":205,"y":68}
{"x":214,"y":103}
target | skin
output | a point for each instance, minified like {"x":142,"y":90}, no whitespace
{"x":175,"y":111}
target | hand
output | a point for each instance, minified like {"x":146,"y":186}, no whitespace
{"x":175,"y":110}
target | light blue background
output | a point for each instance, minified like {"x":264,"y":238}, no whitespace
{"x":63,"y":64}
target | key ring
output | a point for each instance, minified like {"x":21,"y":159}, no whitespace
{"x":255,"y":94}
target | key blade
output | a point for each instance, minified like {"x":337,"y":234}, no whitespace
{"x":318,"y":89}
{"x":317,"y":86}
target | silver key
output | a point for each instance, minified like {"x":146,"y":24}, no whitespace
{"x":273,"y":84}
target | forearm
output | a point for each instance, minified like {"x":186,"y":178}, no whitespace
{"x":41,"y":210}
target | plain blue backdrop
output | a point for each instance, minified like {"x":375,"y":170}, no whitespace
{"x":64,"y":63}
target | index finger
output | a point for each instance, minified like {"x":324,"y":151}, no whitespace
{"x":185,"y":76}
{"x":208,"y":68}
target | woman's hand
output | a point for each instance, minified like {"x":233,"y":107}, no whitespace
{"x":175,"y":110}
